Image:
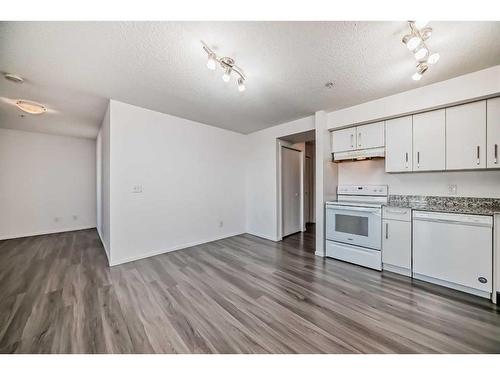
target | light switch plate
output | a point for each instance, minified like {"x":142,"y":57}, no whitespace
{"x":137,"y":189}
{"x":452,"y":189}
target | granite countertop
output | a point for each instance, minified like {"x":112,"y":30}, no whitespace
{"x":461,"y":205}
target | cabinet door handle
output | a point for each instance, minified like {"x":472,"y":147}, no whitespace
{"x":477,"y":155}
{"x":386,"y":231}
{"x":359,"y":139}
{"x":352,"y":140}
{"x":496,"y":153}
{"x":406,"y":160}
{"x":418,"y":159}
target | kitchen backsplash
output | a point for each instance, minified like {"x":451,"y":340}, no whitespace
{"x":478,"y":184}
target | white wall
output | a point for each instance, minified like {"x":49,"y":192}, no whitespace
{"x":262,"y":176}
{"x":104,"y":136}
{"x":469,"y":183}
{"x":44,"y":181}
{"x":470,"y":86}
{"x":192,"y":176}
{"x":326,"y":177}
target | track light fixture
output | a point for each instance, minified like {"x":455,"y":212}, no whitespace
{"x":226,"y":63}
{"x":415,"y":42}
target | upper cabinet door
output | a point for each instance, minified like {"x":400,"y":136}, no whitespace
{"x":493,"y":136}
{"x":344,"y":140}
{"x":398,"y":145}
{"x":370,"y":136}
{"x":466,"y":136}
{"x":429,"y":148}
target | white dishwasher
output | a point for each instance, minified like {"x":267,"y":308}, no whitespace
{"x":454,"y":250}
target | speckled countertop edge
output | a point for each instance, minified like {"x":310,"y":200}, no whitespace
{"x":461,"y":205}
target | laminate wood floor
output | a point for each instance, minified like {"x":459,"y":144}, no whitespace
{"x":238,"y":295}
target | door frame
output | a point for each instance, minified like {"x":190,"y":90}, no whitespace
{"x":279,"y":191}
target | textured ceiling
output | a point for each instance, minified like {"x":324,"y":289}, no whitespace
{"x":74,"y":67}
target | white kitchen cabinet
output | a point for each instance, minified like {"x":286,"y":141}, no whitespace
{"x":370,"y":136}
{"x":493,"y":133}
{"x":466,"y":136}
{"x":398,"y":145}
{"x":344,"y":140}
{"x":429,"y":144}
{"x":396,"y":241}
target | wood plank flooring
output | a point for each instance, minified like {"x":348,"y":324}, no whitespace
{"x":238,"y":295}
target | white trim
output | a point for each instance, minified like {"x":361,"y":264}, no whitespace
{"x":263,"y":236}
{"x":41,"y":233}
{"x":106,"y":250}
{"x":451,"y":285}
{"x":396,"y":269}
{"x":174,"y":248}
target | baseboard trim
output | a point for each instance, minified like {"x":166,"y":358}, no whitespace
{"x":41,"y":233}
{"x":263,"y":236}
{"x":174,"y":248}
{"x":106,"y":250}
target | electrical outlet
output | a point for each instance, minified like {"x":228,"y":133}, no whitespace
{"x":452,"y":189}
{"x":221,"y":224}
{"x":75,"y":217}
{"x":137,"y":189}
{"x":57,"y":219}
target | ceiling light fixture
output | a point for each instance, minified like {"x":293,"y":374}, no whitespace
{"x":241,"y":85}
{"x":421,"y":53}
{"x":211,"y":63}
{"x":226,"y":63}
{"x":434,"y":58}
{"x":415,"y":42}
{"x":226,"y":77}
{"x":33,"y":108}
{"x":13,"y":78}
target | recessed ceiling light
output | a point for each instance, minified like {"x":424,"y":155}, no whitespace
{"x":13,"y":78}
{"x":33,"y":108}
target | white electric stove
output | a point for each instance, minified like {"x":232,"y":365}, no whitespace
{"x":354,"y":224}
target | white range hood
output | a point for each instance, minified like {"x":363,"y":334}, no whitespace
{"x":368,"y":153}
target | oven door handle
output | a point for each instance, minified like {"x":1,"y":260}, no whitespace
{"x":352,"y":208}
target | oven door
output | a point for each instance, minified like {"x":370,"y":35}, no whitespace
{"x":360,"y":226}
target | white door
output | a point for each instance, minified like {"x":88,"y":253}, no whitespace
{"x":429,"y":148}
{"x":370,"y":136}
{"x":291,"y":183}
{"x":396,"y":245}
{"x":344,"y":140}
{"x":493,"y":136}
{"x":398,"y":145}
{"x":466,"y":136}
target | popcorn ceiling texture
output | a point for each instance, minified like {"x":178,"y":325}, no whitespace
{"x":75,"y":67}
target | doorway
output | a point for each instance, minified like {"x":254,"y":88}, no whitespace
{"x":296,"y":184}
{"x":291,"y":181}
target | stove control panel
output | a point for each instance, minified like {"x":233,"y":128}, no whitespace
{"x":377,"y":190}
